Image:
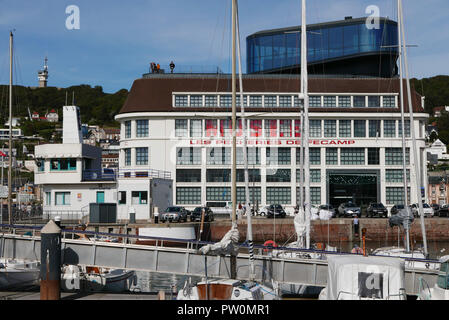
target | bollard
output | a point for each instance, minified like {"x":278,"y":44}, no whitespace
{"x":58,"y":221}
{"x":50,"y":272}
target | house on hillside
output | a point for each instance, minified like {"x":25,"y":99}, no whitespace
{"x":35,"y":116}
{"x":52,"y":116}
{"x":439,"y":149}
{"x":112,"y":134}
{"x":438,"y":110}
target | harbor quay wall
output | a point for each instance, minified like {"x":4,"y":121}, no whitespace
{"x":337,"y":230}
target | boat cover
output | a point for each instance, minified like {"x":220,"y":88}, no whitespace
{"x":300,"y":228}
{"x":352,"y":277}
{"x":227,"y":245}
{"x":325,"y":215}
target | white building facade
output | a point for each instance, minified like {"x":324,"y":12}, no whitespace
{"x":181,"y":124}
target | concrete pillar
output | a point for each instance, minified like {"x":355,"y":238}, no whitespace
{"x":50,"y":273}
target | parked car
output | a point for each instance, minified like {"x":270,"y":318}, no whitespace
{"x":427,"y":210}
{"x":349,"y":209}
{"x":444,"y":211}
{"x":436,"y":207}
{"x":177,"y":214}
{"x":276,"y":210}
{"x":328,"y":207}
{"x":198,"y":211}
{"x":376,"y":209}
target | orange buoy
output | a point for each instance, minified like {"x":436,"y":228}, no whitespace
{"x":269,"y":243}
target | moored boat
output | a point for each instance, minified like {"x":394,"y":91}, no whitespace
{"x":18,"y":273}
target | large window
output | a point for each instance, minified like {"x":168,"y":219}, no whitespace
{"x":141,"y":156}
{"x":48,"y":198}
{"x":374,"y":101}
{"x":225,"y":128}
{"x":389,"y":128}
{"x":315,"y":156}
{"x":254,"y":195}
{"x":330,"y":128}
{"x":188,"y":156}
{"x":218,"y":156}
{"x":344,"y":101}
{"x":285,"y":128}
{"x":226,"y":101}
{"x":188,"y":195}
{"x":278,"y":156}
{"x":285,"y":101}
{"x":127,"y":129}
{"x":196,"y":128}
{"x":373,"y":156}
{"x":181,"y":128}
{"x":279,"y":195}
{"x":270,"y":101}
{"x":374,"y":128}
{"x":210,"y":101}
{"x":211,"y":128}
{"x":181,"y":100}
{"x":139,"y":197}
{"x":407,"y":128}
{"x":359,"y":101}
{"x":196,"y":100}
{"x":218,"y":194}
{"x":253,"y":155}
{"x":63,"y":164}
{"x":122,"y":197}
{"x":62,"y":198}
{"x":218,"y":175}
{"x":330,"y":101}
{"x":331,"y":156}
{"x":345,"y":128}
{"x":395,"y":195}
{"x":352,"y":156}
{"x":315,"y":195}
{"x":253,"y":175}
{"x":396,"y":175}
{"x":255,"y":128}
{"x":360,"y":128}
{"x":271,"y":128}
{"x":127,"y":157}
{"x":279,"y":175}
{"x":141,"y":128}
{"x":188,"y":175}
{"x":389,"y":101}
{"x":315,"y":175}
{"x":393,"y":156}
{"x":315,"y":128}
{"x":255,"y":101}
{"x":315,"y":101}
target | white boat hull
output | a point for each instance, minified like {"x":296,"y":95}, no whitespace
{"x":15,"y":274}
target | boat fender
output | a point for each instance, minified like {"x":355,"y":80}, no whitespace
{"x":269,"y":243}
{"x":427,"y":265}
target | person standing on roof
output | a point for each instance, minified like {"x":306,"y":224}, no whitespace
{"x":158,"y":68}
{"x":152,"y":67}
{"x":172,"y":66}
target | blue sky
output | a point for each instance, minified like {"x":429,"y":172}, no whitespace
{"x":117,"y":39}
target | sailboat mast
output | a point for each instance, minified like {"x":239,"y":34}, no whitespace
{"x":304,"y":87}
{"x":10,"y":128}
{"x":412,"y":129}
{"x":245,"y":160}
{"x":234,"y":149}
{"x":401,"y":101}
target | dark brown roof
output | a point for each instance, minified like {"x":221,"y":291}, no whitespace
{"x":154,"y":94}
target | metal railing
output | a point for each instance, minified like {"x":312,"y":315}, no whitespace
{"x":144,"y":173}
{"x":99,"y":175}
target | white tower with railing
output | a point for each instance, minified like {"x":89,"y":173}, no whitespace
{"x":42,"y":75}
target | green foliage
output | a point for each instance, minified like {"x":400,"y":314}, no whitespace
{"x":435,"y":89}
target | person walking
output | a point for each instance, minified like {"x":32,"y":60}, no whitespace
{"x":172,"y":66}
{"x":356,"y":226}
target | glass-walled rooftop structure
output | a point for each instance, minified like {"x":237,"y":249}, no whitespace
{"x":346,"y":47}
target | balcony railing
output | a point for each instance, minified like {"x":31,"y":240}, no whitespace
{"x":144,"y":173}
{"x":100,"y":175}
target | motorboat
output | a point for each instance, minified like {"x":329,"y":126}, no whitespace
{"x":356,"y":277}
{"x":441,"y":289}
{"x":412,"y":258}
{"x":92,"y":278}
{"x":18,"y":273}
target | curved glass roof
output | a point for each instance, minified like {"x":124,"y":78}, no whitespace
{"x":272,"y":50}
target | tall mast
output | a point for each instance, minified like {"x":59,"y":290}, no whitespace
{"x":10,"y":127}
{"x":412,"y":129}
{"x":401,"y":101}
{"x":304,"y":87}
{"x":245,"y":160}
{"x":234,"y":149}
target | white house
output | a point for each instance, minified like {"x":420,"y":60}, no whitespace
{"x":439,"y":148}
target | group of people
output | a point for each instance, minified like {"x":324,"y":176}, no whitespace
{"x":156,"y":67}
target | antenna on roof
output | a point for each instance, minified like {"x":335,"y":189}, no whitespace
{"x":73,"y":98}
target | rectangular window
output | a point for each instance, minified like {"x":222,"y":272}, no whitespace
{"x":255,"y":128}
{"x":181,"y":128}
{"x":315,"y":195}
{"x":396,"y":175}
{"x":254,"y":195}
{"x":315,"y":175}
{"x":278,"y":156}
{"x":188,"y":175}
{"x":315,"y":101}
{"x":330,"y":101}
{"x":253,"y":155}
{"x":40,"y":165}
{"x":127,"y":129}
{"x":225,"y":128}
{"x":253,"y":175}
{"x":218,"y":156}
{"x":330,"y":128}
{"x":255,"y":101}
{"x":237,"y":101}
{"x":352,"y":156}
{"x":285,"y":128}
{"x":196,"y":100}
{"x":315,"y":128}
{"x":181,"y":100}
{"x":139,"y":197}
{"x":271,"y":128}
{"x":188,"y":156}
{"x":359,"y":101}
{"x":393,"y":156}
{"x":218,"y":175}
{"x":373,"y":156}
{"x":63,"y":165}
{"x":360,"y":128}
{"x":389,"y":128}
{"x":270,"y":101}
{"x":332,"y":156}
{"x":374,"y":128}
{"x":218,"y":194}
{"x":285,"y":101}
{"x":298,"y":102}
{"x":344,"y":101}
{"x":374,"y":101}
{"x":211,"y":101}
{"x":297,"y":128}
{"x":407,"y":128}
{"x":122,"y":197}
{"x":395,"y":195}
{"x":315,"y":156}
{"x":127,"y":157}
{"x":279,"y":195}
{"x":141,"y":128}
{"x":188,"y":195}
{"x":48,"y":198}
{"x":345,"y":128}
{"x":196,"y":128}
{"x":226,"y":101}
{"x":141,"y":156}
{"x":389,"y":101}
{"x":211,"y":127}
{"x":62,"y":198}
{"x":279,"y":175}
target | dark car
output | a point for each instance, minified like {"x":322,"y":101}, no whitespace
{"x":198,"y":211}
{"x":401,"y":216}
{"x":275,"y":210}
{"x":444,"y":211}
{"x":174,"y":214}
{"x":435,"y":207}
{"x":349,"y":209}
{"x":330,"y":208}
{"x":376,"y":210}
{"x":395,"y":209}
